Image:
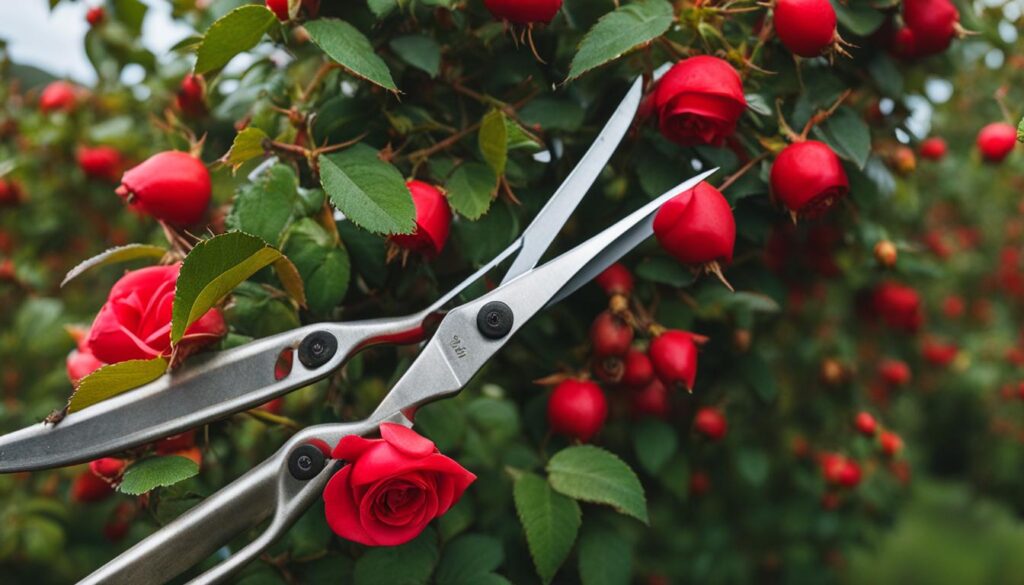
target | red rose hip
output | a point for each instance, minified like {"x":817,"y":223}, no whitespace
{"x":674,"y":357}
{"x":934,"y":149}
{"x":996,"y":141}
{"x":806,"y":27}
{"x":433,"y":221}
{"x":577,"y":408}
{"x":95,"y":16}
{"x":650,"y":400}
{"x":637,"y":370}
{"x":808,"y":178}
{"x":171,"y":186}
{"x":615,"y":280}
{"x":711,"y":423}
{"x":698,"y":228}
{"x":190,"y":98}
{"x":58,"y":96}
{"x":894,"y":372}
{"x":610,"y":335}
{"x":524,"y":11}
{"x":99,"y":162}
{"x":865,"y":424}
{"x":890,"y":443}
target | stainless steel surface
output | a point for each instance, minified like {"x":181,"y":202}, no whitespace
{"x":549,"y":222}
{"x":207,"y":389}
{"x":455,"y":353}
{"x":458,"y":350}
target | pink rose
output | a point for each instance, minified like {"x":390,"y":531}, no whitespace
{"x":392,"y":487}
{"x":135,"y":322}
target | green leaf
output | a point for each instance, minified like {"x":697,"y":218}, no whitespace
{"x":471,"y":190}
{"x":655,"y":442}
{"x":551,"y":522}
{"x":248,"y":144}
{"x":212,"y":270}
{"x":382,"y":8}
{"x":370,"y":192}
{"x":322,"y":262}
{"x":1020,"y":131}
{"x":621,"y":31}
{"x":131,"y":13}
{"x":861,"y":19}
{"x":235,"y":32}
{"x":115,"y":256}
{"x":847,"y":133}
{"x":605,"y":558}
{"x":420,"y":51}
{"x":553,"y":114}
{"x":264,"y":207}
{"x":665,"y":270}
{"x":153,"y":472}
{"x":409,"y":564}
{"x":344,"y":44}
{"x":591,"y":474}
{"x":109,"y":381}
{"x":493,"y":139}
{"x":469,"y":559}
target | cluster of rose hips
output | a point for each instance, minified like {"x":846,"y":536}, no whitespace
{"x":577,"y":408}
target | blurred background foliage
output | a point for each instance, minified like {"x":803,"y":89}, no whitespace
{"x":792,"y":357}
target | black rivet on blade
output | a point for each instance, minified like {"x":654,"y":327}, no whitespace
{"x":306,"y":462}
{"x":495,"y":320}
{"x":317,"y":349}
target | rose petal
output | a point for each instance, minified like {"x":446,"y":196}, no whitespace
{"x":341,"y":510}
{"x":352,"y":447}
{"x":406,"y":440}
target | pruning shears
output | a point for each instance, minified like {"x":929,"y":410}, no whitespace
{"x":212,"y":387}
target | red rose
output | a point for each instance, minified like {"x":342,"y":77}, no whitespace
{"x":391,"y":488}
{"x":135,"y":322}
{"x":81,"y":362}
{"x":699,"y":101}
{"x":433,"y":221}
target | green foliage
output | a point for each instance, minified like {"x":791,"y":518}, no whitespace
{"x":234,"y":33}
{"x":591,"y":474}
{"x":109,"y":381}
{"x":369,"y":191}
{"x":153,"y":472}
{"x":550,"y":521}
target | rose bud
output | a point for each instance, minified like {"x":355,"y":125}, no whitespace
{"x":135,"y":322}
{"x":391,"y":487}
{"x":171,"y":186}
{"x":58,"y":96}
{"x":996,"y":141}
{"x":577,"y":408}
{"x":433,"y":220}
{"x":524,"y":11}
{"x":99,"y":162}
{"x":191,"y":96}
{"x":88,"y":488}
{"x":674,"y":357}
{"x":808,"y":178}
{"x":711,"y":423}
{"x":699,"y":101}
{"x":698,"y":228}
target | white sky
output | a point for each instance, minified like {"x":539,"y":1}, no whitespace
{"x":53,"y":40}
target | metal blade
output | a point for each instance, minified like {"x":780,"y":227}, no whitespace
{"x":460,"y":347}
{"x":538,"y":237}
{"x":629,"y":239}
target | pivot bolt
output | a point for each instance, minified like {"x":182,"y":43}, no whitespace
{"x":317,"y":349}
{"x":495,"y":320}
{"x":306,"y":462}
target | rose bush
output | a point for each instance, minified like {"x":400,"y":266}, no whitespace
{"x":354,"y":160}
